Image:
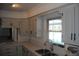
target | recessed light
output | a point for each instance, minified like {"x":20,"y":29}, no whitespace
{"x":15,"y":5}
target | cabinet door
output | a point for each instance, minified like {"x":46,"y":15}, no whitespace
{"x":76,"y":38}
{"x":39,"y":27}
{"x":68,"y":24}
{"x":33,"y":26}
{"x":6,"y":23}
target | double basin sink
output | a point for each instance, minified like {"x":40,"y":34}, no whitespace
{"x":45,"y":52}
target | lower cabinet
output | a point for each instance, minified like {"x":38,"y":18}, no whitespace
{"x":24,"y":52}
{"x":10,"y":49}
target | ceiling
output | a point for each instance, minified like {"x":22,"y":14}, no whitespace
{"x":22,"y":6}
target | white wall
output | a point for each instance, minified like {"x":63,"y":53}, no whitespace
{"x":13,"y":14}
{"x":43,"y":8}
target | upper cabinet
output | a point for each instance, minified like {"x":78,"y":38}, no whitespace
{"x":6,"y":23}
{"x":70,"y":24}
{"x":32,"y":26}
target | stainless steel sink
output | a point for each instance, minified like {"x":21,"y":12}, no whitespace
{"x":45,"y":52}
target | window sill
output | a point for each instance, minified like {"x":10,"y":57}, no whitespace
{"x":62,"y":46}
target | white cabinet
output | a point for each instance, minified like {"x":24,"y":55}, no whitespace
{"x":8,"y":49}
{"x":32,"y":24}
{"x":6,"y":23}
{"x":40,"y":26}
{"x":70,"y":24}
{"x":24,"y":30}
{"x":76,"y":24}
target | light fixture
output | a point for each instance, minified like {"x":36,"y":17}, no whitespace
{"x":15,"y":5}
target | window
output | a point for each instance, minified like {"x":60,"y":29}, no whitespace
{"x":55,"y":31}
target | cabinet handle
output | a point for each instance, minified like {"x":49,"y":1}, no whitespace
{"x":71,"y":36}
{"x":74,"y":36}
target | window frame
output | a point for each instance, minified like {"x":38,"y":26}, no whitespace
{"x":54,"y":31}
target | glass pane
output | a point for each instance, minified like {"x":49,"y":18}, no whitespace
{"x":50,"y":35}
{"x":55,"y":31}
{"x":57,"y":27}
{"x":50,"y":27}
{"x":56,"y":37}
{"x":56,"y":21}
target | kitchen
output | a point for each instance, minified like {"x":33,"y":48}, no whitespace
{"x":39,"y":29}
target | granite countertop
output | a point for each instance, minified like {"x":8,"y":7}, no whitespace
{"x":32,"y":47}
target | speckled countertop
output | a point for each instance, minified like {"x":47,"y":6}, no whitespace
{"x":32,"y":47}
